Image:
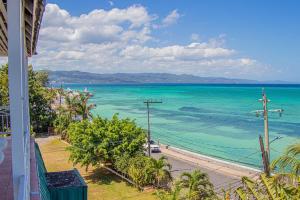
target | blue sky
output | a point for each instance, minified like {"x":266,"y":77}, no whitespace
{"x":238,"y":39}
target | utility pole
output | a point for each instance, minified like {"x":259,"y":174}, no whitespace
{"x":148,"y":102}
{"x":265,"y":112}
{"x":265,"y":102}
{"x":264,"y":156}
{"x":60,"y":92}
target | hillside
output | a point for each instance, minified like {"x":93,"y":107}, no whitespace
{"x":137,"y":78}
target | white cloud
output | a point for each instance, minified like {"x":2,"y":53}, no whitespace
{"x":120,"y":40}
{"x":193,"y":51}
{"x":97,"y":26}
{"x":171,"y":18}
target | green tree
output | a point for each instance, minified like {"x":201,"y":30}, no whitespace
{"x":121,"y":163}
{"x":198,"y":185}
{"x":40,"y":97}
{"x":101,"y":140}
{"x":161,"y":171}
{"x":141,"y":171}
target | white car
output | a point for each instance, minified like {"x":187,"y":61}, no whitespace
{"x":154,"y":148}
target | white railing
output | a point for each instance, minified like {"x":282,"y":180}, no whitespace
{"x":4,"y":120}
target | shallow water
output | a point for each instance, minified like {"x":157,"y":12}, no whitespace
{"x":214,"y":120}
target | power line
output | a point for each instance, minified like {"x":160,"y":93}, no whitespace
{"x":182,"y":139}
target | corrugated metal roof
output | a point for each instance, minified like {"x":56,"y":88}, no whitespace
{"x":33,"y":13}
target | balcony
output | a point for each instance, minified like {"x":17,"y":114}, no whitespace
{"x":6,"y":183}
{"x":43,"y":185}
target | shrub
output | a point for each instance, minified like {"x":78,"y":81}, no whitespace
{"x":141,"y":171}
{"x":100,"y":140}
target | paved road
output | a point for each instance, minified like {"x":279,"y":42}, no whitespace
{"x":179,"y":166}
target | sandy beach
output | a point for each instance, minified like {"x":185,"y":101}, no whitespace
{"x":226,"y":168}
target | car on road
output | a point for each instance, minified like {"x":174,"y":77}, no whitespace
{"x":154,"y":148}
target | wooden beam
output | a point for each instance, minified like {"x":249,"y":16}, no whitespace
{"x":3,"y":10}
{"x":34,"y":18}
{"x":29,"y":6}
{"x":3,"y":40}
{"x":2,"y":50}
{"x":28,"y":17}
{"x":3,"y":31}
{"x":3,"y":46}
{"x":28,"y":31}
{"x":3,"y":27}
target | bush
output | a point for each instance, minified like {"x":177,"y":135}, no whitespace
{"x":101,"y":140}
{"x":141,"y":171}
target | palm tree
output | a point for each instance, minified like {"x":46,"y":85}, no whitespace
{"x":70,"y":103}
{"x":82,"y":107}
{"x":198,"y":185}
{"x":282,"y":185}
{"x":161,"y":171}
{"x":289,"y":161}
{"x":266,"y":188}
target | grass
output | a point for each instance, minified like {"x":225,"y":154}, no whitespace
{"x":102,"y":185}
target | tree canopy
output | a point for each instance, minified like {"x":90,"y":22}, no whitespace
{"x":100,"y":140}
{"x":40,"y":97}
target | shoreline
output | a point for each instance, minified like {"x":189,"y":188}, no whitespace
{"x":224,"y":167}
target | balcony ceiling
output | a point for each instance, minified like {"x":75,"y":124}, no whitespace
{"x":33,"y":12}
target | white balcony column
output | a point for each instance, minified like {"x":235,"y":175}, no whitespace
{"x":17,"y":96}
{"x":26,"y":117}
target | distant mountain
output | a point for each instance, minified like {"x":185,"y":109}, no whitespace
{"x":138,"y":78}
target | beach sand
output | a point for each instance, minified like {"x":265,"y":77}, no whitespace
{"x":226,"y":168}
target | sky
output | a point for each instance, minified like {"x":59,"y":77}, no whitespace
{"x":250,"y":39}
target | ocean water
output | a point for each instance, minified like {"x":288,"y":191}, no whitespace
{"x":214,"y":120}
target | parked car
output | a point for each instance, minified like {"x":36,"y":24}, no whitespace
{"x":154,"y":148}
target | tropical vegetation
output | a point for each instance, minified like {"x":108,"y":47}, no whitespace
{"x":74,"y":108}
{"x":40,"y":98}
{"x":197,"y":185}
{"x":289,"y":162}
{"x":100,"y":140}
{"x":172,"y":194}
{"x":283,"y":184}
{"x":161,"y":171}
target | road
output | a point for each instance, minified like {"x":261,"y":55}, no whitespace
{"x":178,"y":166}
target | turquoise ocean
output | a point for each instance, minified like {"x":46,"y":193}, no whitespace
{"x":213,"y":120}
